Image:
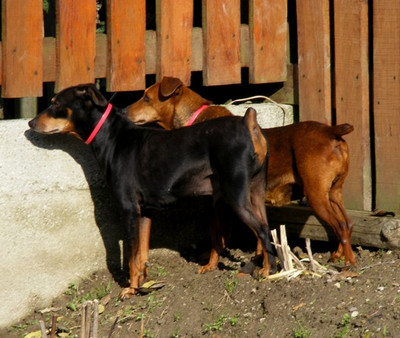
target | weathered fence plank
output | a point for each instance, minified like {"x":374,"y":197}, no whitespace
{"x":126,"y":31}
{"x":76,"y":37}
{"x":221,"y":31}
{"x":22,"y":36}
{"x":268,"y":41}
{"x":314,"y":60}
{"x":174,"y":39}
{"x":352,"y":96}
{"x":386,"y":55}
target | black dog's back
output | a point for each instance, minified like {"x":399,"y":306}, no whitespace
{"x":169,"y":164}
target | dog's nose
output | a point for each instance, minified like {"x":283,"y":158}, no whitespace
{"x":32,"y":123}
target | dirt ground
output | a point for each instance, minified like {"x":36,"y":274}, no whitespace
{"x":223,"y":303}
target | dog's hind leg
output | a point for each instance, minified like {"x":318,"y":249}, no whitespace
{"x":247,"y":200}
{"x":336,"y":199}
{"x":248,"y":215}
{"x":258,"y":203}
{"x":218,"y":232}
{"x":329,"y":208}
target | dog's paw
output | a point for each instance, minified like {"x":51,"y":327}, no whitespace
{"x":126,"y":293}
{"x":206,"y":268}
{"x":336,"y":257}
{"x":264,"y":272}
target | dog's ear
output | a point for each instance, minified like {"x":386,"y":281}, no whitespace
{"x":169,"y":86}
{"x":90,"y":91}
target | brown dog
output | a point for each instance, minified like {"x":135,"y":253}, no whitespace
{"x":309,"y":154}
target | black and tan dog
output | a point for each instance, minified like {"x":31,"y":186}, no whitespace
{"x":148,"y":168}
{"x":309,"y":155}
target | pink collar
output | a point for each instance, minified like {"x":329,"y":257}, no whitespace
{"x":99,"y":124}
{"x":195,"y":114}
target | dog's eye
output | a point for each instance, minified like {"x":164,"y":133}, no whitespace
{"x":146,"y":98}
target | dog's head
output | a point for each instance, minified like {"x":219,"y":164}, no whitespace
{"x":157,"y":103}
{"x":67,"y":109}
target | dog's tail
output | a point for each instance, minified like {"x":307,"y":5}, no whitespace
{"x":342,"y":129}
{"x":257,"y":137}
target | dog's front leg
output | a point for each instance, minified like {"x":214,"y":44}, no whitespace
{"x":139,"y":256}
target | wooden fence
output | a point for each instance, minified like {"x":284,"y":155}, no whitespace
{"x":348,"y":62}
{"x":128,"y":52}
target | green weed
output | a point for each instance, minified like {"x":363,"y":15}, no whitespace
{"x":177,"y":316}
{"x":176,"y":333}
{"x":77,"y":299}
{"x":160,"y":271}
{"x":301,"y":331}
{"x":231,"y":284}
{"x":345,"y":324}
{"x":220,"y":322}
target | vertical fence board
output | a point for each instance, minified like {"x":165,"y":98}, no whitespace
{"x":126,"y":30}
{"x":76,"y":47}
{"x":352,"y":96}
{"x":221,"y":29}
{"x":174,"y":39}
{"x":314,"y":60}
{"x":22,"y":70}
{"x":268,"y":41}
{"x":386,"y":54}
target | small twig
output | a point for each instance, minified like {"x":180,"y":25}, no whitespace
{"x":297,"y":272}
{"x":285,"y":249}
{"x":163,"y":312}
{"x":278,"y":247}
{"x":53,"y":326}
{"x":43,"y":328}
{"x":227,"y":296}
{"x":289,"y":260}
{"x":49,"y":309}
{"x":113,"y":327}
{"x":88,"y":311}
{"x":141,"y":328}
{"x":282,"y":274}
{"x":95,"y":326}
{"x":296,"y":260}
{"x":309,"y":253}
{"x":83,"y":320}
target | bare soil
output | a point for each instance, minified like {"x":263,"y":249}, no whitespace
{"x":224,"y":303}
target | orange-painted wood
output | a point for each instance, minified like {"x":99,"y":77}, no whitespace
{"x":76,"y":37}
{"x":126,"y":31}
{"x":174,"y":39}
{"x":268,"y":41}
{"x":221,"y":32}
{"x":22,"y":63}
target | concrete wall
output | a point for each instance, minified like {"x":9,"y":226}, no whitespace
{"x":58,"y":222}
